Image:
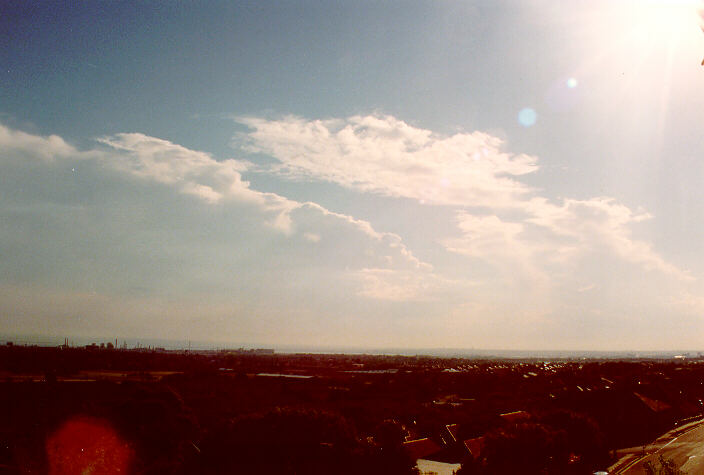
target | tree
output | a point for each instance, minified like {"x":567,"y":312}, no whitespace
{"x":299,"y":441}
{"x":664,"y":467}
{"x":523,"y":448}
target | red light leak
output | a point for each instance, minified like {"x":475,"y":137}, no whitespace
{"x":87,"y":446}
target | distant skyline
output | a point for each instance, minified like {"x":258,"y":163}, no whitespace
{"x":446,"y":174}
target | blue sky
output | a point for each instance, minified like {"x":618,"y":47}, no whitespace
{"x":367,"y":174}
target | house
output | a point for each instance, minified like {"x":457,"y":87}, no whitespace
{"x":515,"y":417}
{"x":475,"y":446}
{"x":653,"y":404}
{"x":421,"y":448}
{"x":428,"y":467}
{"x":452,"y":430}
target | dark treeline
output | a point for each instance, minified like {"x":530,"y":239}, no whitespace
{"x":211,"y":413}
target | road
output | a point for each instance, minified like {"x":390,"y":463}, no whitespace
{"x":684,"y":446}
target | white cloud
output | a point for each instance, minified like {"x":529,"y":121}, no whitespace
{"x":45,"y":148}
{"x":529,"y":259}
{"x":393,"y":241}
{"x":600,"y":223}
{"x":484,"y":236}
{"x":547,"y":242}
{"x":312,"y":237}
{"x":406,"y":285}
{"x":384,"y":155}
{"x":220,"y":182}
{"x":195,"y":172}
{"x":213,"y":181}
{"x":386,"y":284}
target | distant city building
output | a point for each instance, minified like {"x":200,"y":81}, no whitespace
{"x":252,"y":351}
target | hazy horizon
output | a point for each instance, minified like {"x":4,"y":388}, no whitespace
{"x":443,"y":352}
{"x":485,"y":174}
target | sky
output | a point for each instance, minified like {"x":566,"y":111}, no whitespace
{"x":407,"y":174}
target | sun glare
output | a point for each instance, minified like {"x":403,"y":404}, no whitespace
{"x":651,"y":37}
{"x":663,"y":21}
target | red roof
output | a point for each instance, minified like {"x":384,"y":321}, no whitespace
{"x":420,"y":448}
{"x":475,"y":446}
{"x":653,"y":404}
{"x":453,"y":430}
{"x":515,"y":417}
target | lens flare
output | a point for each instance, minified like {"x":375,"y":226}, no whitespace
{"x":527,"y":117}
{"x":87,"y":445}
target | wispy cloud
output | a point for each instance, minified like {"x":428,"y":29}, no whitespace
{"x":500,"y":218}
{"x":408,"y":285}
{"x":220,"y":183}
{"x":547,"y":241}
{"x":384,"y":155}
{"x":312,"y":237}
{"x":194,"y":172}
{"x":600,"y":223}
{"x":484,"y":236}
{"x":511,"y":239}
{"x":387,"y":284}
{"x":45,"y":148}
